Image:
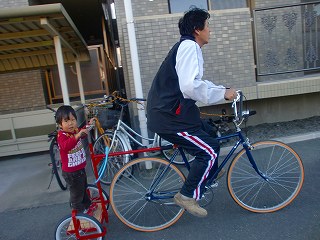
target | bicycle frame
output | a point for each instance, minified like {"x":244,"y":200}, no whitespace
{"x":125,"y":132}
{"x":77,"y":229}
{"x":245,"y":143}
{"x":130,"y":133}
{"x":246,"y":146}
{"x":96,"y":159}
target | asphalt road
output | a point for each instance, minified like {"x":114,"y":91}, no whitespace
{"x":28,"y":210}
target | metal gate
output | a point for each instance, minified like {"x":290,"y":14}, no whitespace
{"x":287,"y":38}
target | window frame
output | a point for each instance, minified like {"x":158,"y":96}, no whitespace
{"x":170,"y":10}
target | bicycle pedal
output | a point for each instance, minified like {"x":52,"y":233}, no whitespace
{"x":214,"y":185}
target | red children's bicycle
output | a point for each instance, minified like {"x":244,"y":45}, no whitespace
{"x":84,"y":226}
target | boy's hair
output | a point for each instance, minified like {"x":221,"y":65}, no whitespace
{"x":193,"y":19}
{"x":63,"y":112}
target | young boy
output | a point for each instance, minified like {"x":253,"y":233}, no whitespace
{"x":73,"y":158}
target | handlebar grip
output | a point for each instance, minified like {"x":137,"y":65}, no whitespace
{"x":139,"y":99}
{"x":240,"y":101}
{"x":252,"y":112}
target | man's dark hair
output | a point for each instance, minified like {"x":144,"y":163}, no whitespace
{"x":63,"y":112}
{"x":193,"y":19}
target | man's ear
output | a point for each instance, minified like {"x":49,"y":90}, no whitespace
{"x":196,"y":31}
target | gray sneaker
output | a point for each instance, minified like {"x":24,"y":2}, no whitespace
{"x":190,"y":204}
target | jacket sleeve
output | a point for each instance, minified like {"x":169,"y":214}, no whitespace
{"x":189,"y":67}
{"x":66,"y":143}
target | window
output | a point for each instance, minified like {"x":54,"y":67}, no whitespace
{"x":180,"y":6}
{"x":227,"y":4}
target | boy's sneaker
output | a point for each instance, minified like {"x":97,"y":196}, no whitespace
{"x":190,"y":204}
{"x":90,"y":210}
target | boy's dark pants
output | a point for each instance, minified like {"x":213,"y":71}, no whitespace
{"x":77,"y":184}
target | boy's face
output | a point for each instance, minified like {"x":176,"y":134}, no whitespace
{"x":69,"y":125}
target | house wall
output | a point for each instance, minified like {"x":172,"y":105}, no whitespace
{"x":21,"y":91}
{"x":228,"y":57}
{"x":271,"y":3}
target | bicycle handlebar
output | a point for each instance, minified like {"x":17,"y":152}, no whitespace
{"x":51,"y":109}
{"x":239,"y":99}
{"x":239,"y":113}
{"x":89,"y":127}
{"x":122,"y":101}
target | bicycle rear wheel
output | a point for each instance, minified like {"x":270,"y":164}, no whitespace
{"x":168,"y":153}
{"x":114,"y":163}
{"x":282,"y":167}
{"x":88,"y":226}
{"x":136,"y":204}
{"x":56,"y":163}
{"x":93,"y":193}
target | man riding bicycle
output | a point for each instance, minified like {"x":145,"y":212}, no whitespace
{"x":172,"y":110}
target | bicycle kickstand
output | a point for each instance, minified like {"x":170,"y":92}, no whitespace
{"x":50,"y":180}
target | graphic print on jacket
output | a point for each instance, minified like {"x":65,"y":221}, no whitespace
{"x":77,"y":155}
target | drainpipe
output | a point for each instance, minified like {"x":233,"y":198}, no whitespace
{"x":136,"y":69}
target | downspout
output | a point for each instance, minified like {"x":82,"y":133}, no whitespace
{"x":136,"y":69}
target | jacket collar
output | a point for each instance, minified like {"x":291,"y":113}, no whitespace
{"x":187,"y":37}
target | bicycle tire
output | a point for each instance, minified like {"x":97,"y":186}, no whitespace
{"x":93,"y":193}
{"x":168,"y":153}
{"x":129,"y":195}
{"x":114,"y":163}
{"x":57,"y":164}
{"x":62,"y":232}
{"x":277,"y":161}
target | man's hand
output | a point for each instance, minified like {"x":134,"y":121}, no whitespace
{"x":230,"y":94}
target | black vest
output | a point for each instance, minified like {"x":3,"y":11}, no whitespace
{"x":167,"y":110}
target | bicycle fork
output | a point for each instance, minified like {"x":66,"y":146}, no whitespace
{"x":248,"y":147}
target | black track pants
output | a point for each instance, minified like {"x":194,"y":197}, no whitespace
{"x":206,"y":149}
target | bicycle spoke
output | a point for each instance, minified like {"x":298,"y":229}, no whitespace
{"x":282,"y":169}
{"x":144,"y":200}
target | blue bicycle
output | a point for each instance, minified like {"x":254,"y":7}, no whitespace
{"x":263,"y":177}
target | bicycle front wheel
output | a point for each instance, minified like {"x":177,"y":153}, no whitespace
{"x":279,"y":164}
{"x":143,"y":198}
{"x":114,"y":163}
{"x":87,"y":226}
{"x":56,"y":163}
